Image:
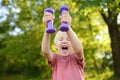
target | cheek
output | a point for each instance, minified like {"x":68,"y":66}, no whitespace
{"x":69,"y":44}
{"x":57,"y":45}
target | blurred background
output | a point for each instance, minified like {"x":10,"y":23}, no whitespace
{"x":96,"y":23}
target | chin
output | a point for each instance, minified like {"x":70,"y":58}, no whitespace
{"x":65,"y":54}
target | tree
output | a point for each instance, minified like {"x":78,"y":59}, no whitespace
{"x":21,"y":52}
{"x":110,"y":17}
{"x":109,"y":10}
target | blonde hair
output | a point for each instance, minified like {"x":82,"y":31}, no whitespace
{"x":58,"y":35}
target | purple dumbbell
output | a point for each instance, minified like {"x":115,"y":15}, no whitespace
{"x":50,"y":28}
{"x":64,"y":26}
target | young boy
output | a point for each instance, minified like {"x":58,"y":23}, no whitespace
{"x":69,"y":63}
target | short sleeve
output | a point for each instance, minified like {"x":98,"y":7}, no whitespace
{"x":54,"y":60}
{"x":80,"y":61}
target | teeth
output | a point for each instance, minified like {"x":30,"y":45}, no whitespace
{"x":64,"y":48}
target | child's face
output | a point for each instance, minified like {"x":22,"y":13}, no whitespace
{"x":63,"y":44}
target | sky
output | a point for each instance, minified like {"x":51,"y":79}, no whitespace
{"x":3,"y":12}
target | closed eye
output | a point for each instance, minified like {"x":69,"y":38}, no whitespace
{"x":68,"y":39}
{"x":60,"y":39}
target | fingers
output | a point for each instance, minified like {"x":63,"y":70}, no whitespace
{"x":65,"y":18}
{"x":47,"y":17}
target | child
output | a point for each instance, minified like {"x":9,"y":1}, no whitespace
{"x":69,"y":63}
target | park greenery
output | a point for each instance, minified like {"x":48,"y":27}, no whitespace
{"x":96,"y":23}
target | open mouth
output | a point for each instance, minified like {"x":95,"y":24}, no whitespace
{"x":64,"y":48}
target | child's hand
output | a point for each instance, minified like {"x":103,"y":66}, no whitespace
{"x":66,"y":18}
{"x":47,"y":17}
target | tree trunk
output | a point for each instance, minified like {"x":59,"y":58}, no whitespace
{"x":115,"y":40}
{"x":115,"y":45}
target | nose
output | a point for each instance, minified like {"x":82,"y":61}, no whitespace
{"x":64,"y":41}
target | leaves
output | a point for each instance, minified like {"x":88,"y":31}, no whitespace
{"x":22,"y":52}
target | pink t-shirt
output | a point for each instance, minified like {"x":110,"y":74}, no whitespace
{"x":67,"y":68}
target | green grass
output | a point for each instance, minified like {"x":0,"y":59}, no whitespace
{"x":20,"y":77}
{"x":91,"y":75}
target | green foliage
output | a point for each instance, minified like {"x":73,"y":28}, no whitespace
{"x":92,"y":75}
{"x":21,"y":54}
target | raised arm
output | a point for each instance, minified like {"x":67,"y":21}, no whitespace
{"x":75,"y":42}
{"x":46,"y":46}
{"x":46,"y":37}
